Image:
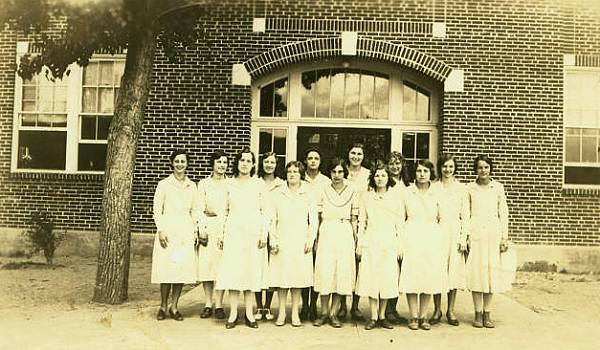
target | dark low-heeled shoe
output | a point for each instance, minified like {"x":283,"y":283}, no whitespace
{"x":177,"y":316}
{"x":342,"y":312}
{"x":251,"y":324}
{"x":435,"y":318}
{"x":230,"y":325}
{"x":320,"y":321}
{"x":371,"y":324}
{"x":206,"y":312}
{"x":386,"y":324}
{"x":334,"y":322}
{"x":452,"y":321}
{"x":161,"y":315}
{"x":219,"y":313}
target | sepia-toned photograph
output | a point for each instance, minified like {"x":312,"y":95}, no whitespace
{"x":300,"y":174}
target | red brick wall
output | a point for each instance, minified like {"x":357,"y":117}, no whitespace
{"x":510,"y":50}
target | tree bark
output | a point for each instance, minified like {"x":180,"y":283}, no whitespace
{"x":115,"y":238}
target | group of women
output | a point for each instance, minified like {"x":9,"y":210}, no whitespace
{"x":354,"y":233}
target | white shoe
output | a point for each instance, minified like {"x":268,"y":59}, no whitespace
{"x":258,"y":315}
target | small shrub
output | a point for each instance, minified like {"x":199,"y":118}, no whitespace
{"x":538,"y":266}
{"x":41,"y":236}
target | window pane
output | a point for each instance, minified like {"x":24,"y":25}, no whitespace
{"x":42,"y":150}
{"x":308,"y":94}
{"x":89,"y":100}
{"x":107,"y":100}
{"x":90,"y":74}
{"x":410,"y":103}
{"x":103,"y":126}
{"x":572,"y":149}
{"x":28,"y":92}
{"x":408,"y":145}
{"x":323,"y":93}
{"x":265,"y":140}
{"x":422,"y":106}
{"x":91,"y":157}
{"x":279,"y":141}
{"x":45,"y":98}
{"x":423,"y":145}
{"x":88,"y":128}
{"x":381,"y":98}
{"x":106,"y":73}
{"x":367,"y":90}
{"x":60,"y":99}
{"x":266,"y":101}
{"x":337,"y":93}
{"x":589,"y":149}
{"x":582,"y":175}
{"x":28,"y":119}
{"x":281,"y":93}
{"x":351,"y":97}
{"x":29,"y":106}
{"x":59,"y":120}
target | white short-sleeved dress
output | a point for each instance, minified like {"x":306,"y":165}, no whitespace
{"x":335,"y":268}
{"x":454,"y":213}
{"x":422,"y":243}
{"x":175,"y":211}
{"x":211,"y":214}
{"x":379,"y":222}
{"x":488,"y":224}
{"x":294,"y":224}
{"x":245,"y":224}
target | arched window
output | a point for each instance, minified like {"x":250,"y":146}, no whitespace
{"x":330,"y":105}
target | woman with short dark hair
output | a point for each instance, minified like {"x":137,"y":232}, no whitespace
{"x":292,"y":236}
{"x":174,"y":211}
{"x":488,"y":238}
{"x":379,"y":223}
{"x":244,"y":237}
{"x":422,"y":243}
{"x":211,"y":209}
{"x":335,"y":272}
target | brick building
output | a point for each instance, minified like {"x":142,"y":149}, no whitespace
{"x":518,"y":80}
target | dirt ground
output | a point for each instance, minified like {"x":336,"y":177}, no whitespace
{"x":36,"y":296}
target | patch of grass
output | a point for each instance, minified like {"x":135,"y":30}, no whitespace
{"x":28,"y":265}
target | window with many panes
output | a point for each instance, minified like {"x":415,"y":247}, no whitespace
{"x":334,"y":104}
{"x":582,"y":126}
{"x":62,"y":124}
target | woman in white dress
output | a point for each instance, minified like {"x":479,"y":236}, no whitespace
{"x":398,"y":171}
{"x":267,"y":171}
{"x":245,"y":237}
{"x":292,"y":235}
{"x":317,"y":182}
{"x":488,"y":238}
{"x":454,"y":212}
{"x":422,"y":244}
{"x":211,"y":213}
{"x":358,"y":175}
{"x":378,"y":245}
{"x":335,"y":273}
{"x":173,"y":257}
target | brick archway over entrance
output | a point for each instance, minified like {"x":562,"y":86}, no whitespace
{"x":319,"y":48}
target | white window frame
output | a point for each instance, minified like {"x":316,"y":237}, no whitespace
{"x":74,"y":82}
{"x":394,"y":123}
{"x":570,"y":69}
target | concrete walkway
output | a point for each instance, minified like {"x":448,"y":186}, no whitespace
{"x":123,"y":327}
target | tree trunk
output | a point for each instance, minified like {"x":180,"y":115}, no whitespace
{"x":115,"y":237}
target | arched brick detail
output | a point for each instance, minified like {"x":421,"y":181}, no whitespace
{"x":320,"y":48}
